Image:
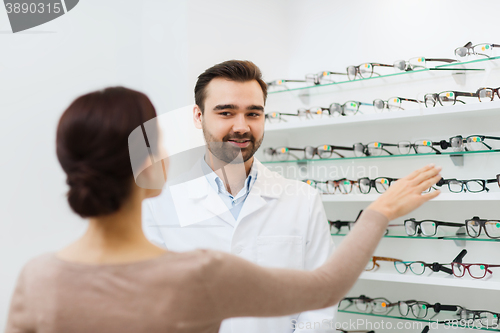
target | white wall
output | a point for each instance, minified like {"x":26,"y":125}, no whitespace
{"x":331,"y":35}
{"x":155,"y":46}
{"x":160,"y":47}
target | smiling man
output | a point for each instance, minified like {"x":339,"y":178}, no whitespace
{"x":238,"y":205}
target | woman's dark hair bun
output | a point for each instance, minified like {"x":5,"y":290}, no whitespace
{"x":92,"y":147}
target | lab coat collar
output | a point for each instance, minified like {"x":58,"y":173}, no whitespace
{"x":200,"y":192}
{"x":199,"y":187}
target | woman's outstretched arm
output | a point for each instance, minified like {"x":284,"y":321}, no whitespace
{"x":239,"y":288}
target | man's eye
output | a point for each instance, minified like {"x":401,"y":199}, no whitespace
{"x":225,"y":113}
{"x":254,"y":114}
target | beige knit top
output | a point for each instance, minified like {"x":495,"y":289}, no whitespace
{"x":175,"y":292}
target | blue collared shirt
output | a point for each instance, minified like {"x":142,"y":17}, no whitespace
{"x":233,"y":203}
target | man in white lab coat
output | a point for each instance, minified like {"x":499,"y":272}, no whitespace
{"x":242,"y":208}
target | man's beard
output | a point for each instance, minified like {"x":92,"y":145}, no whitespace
{"x":227,"y":152}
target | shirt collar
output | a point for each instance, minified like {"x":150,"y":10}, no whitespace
{"x":218,"y":185}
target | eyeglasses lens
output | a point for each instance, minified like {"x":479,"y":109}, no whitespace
{"x":335,"y":110}
{"x":273,"y":117}
{"x":447,"y":98}
{"x":381,"y":184}
{"x":366,"y":70}
{"x":485,"y":95}
{"x":364,"y":185}
{"x":316,"y":112}
{"x":309,"y":153}
{"x":455,"y":186}
{"x":359,"y":149}
{"x":457,"y":143}
{"x":403,"y":308}
{"x":475,"y":143}
{"x":380,"y":306}
{"x":474,"y":186}
{"x":325,"y":151}
{"x":430,"y":100}
{"x":400,"y":65}
{"x":362,"y":305}
{"x":331,"y":186}
{"x":303,"y":114}
{"x":492,"y":228}
{"x":411,"y":228}
{"x":394,"y":104}
{"x":477,"y":271}
{"x":378,"y":104}
{"x":400,"y":267}
{"x":404,"y":147}
{"x":428,"y":228}
{"x":461,"y":52}
{"x":351,"y":72}
{"x":423,"y":146}
{"x":268,"y":154}
{"x":351,"y":108}
{"x":483,"y":49}
{"x":458,"y":269}
{"x":417,"y":268}
{"x":345,"y":187}
{"x":419,"y":310}
{"x":282,"y":153}
{"x":473,"y":228}
{"x":374,"y":148}
{"x":418,"y":62}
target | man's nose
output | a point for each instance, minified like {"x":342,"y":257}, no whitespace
{"x":240,"y":124}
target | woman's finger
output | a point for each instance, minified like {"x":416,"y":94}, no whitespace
{"x":430,"y":196}
{"x":426,"y":175}
{"x":419,"y":171}
{"x":428,"y":183}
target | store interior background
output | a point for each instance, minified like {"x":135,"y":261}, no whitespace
{"x":159,"y":47}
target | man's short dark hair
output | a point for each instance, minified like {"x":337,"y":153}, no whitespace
{"x":234,"y":70}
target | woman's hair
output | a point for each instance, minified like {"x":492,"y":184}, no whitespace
{"x":92,"y":147}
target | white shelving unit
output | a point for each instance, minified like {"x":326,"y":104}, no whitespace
{"x":436,"y":124}
{"x":438,"y":113}
{"x":442,"y":197}
{"x":437,"y":280}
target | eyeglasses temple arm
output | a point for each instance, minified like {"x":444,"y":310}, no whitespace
{"x":388,"y":152}
{"x":466,"y":94}
{"x":441,"y":59}
{"x":381,"y":65}
{"x":410,"y":100}
{"x":342,"y":148}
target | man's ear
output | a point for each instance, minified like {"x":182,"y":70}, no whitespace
{"x":197,"y":117}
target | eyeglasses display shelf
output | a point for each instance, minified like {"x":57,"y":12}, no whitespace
{"x":435,"y":279}
{"x":451,"y":67}
{"x":412,"y":319}
{"x":442,"y":113}
{"x":331,"y":198}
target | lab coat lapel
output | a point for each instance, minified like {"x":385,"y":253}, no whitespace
{"x":196,"y":201}
{"x":261,"y":190}
{"x":216,"y":207}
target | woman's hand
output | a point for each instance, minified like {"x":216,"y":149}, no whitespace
{"x":405,"y":194}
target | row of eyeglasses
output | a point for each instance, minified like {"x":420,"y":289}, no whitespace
{"x":456,"y":267}
{"x":457,"y":143}
{"x":367,"y":70}
{"x":429,"y":228}
{"x":351,"y":108}
{"x":381,"y":184}
{"x":420,"y":310}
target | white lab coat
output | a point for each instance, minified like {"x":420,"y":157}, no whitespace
{"x":281,"y":224}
